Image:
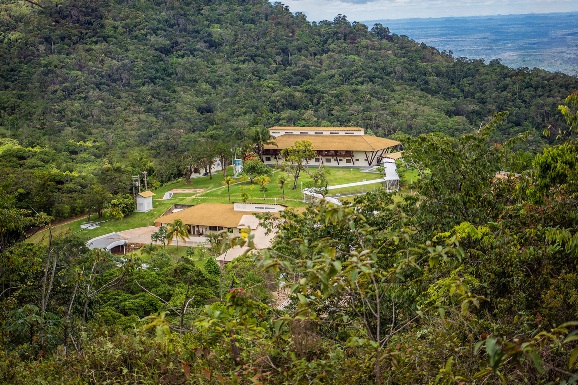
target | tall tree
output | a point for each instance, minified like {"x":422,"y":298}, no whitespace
{"x":228,"y":181}
{"x":254,"y":167}
{"x":281,"y":181}
{"x":456,"y":176}
{"x":177,"y":230}
{"x":296,"y":158}
{"x":260,"y":136}
{"x":570,"y":113}
{"x":204,"y":152}
{"x":263,"y":181}
{"x":160,"y":235}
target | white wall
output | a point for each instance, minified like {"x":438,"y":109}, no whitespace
{"x":143,"y":204}
{"x":358,"y":161}
{"x":258,"y":207}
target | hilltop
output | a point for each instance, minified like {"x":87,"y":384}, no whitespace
{"x":131,"y":74}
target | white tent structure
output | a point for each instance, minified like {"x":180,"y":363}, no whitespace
{"x":390,"y":174}
{"x":108,"y":242}
{"x":144,"y":201}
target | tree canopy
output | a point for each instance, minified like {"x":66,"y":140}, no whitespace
{"x":466,"y":276}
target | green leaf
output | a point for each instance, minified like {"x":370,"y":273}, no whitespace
{"x":570,"y":338}
{"x":442,"y":312}
{"x":570,"y":323}
{"x":433,"y":260}
{"x":353,"y":275}
{"x":573,"y":357}
{"x":278,"y":324}
{"x":337,"y":265}
{"x":477,"y":346}
{"x":537,"y":361}
{"x":302,"y":299}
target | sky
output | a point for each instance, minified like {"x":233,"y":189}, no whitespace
{"x":366,"y":10}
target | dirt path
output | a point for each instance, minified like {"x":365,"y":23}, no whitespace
{"x":57,"y":224}
{"x":187,"y":190}
{"x":139,"y":235}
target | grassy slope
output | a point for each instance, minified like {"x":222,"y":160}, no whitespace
{"x":214,"y":191}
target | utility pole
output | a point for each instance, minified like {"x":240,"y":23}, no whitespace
{"x":135,"y":183}
{"x":145,"y":179}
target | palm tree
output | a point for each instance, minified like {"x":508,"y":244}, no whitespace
{"x":177,"y":229}
{"x":260,"y":136}
{"x":281,"y":181}
{"x":228,"y":181}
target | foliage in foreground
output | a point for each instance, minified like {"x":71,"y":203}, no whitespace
{"x":376,"y":291}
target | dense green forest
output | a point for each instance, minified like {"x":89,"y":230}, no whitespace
{"x":467,"y":276}
{"x":93,"y":92}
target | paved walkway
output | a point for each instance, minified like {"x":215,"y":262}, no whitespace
{"x":142,"y":235}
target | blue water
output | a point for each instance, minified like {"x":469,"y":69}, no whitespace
{"x":548,"y":41}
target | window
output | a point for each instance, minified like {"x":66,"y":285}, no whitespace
{"x":327,"y":160}
{"x":318,"y":132}
{"x":288,"y":132}
{"x":213,"y":228}
{"x":304,"y":133}
{"x":347,"y":160}
{"x":333,"y":133}
{"x":349,"y":133}
{"x":267,"y":159}
{"x":316,"y":160}
{"x":357,"y":160}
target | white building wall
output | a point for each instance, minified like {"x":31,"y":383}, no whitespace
{"x":313,"y":131}
{"x":144,"y":204}
{"x":258,"y":207}
{"x":358,"y":160}
{"x":204,"y":230}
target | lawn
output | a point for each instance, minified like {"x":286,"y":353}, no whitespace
{"x":214,"y":191}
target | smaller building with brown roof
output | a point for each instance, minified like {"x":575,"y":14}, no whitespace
{"x":144,"y":201}
{"x":206,"y":218}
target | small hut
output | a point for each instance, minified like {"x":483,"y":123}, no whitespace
{"x":391,"y":177}
{"x":144,"y":202}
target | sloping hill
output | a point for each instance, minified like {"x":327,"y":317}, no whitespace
{"x":134,"y":73}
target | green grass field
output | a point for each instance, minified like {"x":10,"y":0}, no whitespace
{"x":214,"y":191}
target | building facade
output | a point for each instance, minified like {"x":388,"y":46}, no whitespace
{"x":207,"y":218}
{"x":144,"y":201}
{"x":334,"y":146}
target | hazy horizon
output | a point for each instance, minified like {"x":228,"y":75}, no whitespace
{"x":548,"y":41}
{"x":358,"y":10}
{"x":465,"y":17}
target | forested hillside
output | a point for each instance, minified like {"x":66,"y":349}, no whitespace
{"x":112,"y":88}
{"x":465,"y":276}
{"x":145,"y":73}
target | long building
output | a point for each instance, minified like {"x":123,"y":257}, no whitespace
{"x":334,"y":146}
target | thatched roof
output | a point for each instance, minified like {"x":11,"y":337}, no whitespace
{"x":393,"y":155}
{"x":205,"y":214}
{"x":335,"y":143}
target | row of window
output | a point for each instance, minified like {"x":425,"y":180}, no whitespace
{"x":328,"y":160}
{"x":316,"y":133}
{"x":317,"y":160}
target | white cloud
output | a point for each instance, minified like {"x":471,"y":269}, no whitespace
{"x":359,"y":10}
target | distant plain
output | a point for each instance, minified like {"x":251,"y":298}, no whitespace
{"x":547,"y":41}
